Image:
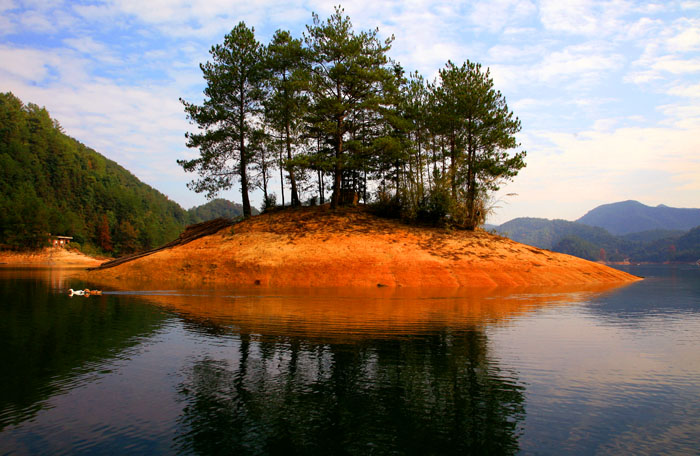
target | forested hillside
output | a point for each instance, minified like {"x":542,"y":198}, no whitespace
{"x":216,"y":208}
{"x":591,"y":243}
{"x":51,"y":183}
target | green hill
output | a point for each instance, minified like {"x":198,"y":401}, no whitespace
{"x":567,"y":237}
{"x":632,"y":216}
{"x":51,"y":183}
{"x":216,"y":208}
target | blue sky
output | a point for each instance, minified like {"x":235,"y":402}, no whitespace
{"x":608,"y":92}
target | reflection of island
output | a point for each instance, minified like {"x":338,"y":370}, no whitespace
{"x":353,"y":313}
{"x":432,"y":393}
{"x":380,"y":373}
{"x":48,"y":337}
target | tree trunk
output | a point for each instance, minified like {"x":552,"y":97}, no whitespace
{"x":335,"y":198}
{"x":244,"y":160}
{"x":281,"y":154}
{"x":264,"y":179}
{"x":420,"y":165}
{"x":321,"y":192}
{"x":453,"y":165}
{"x":471,"y":185}
{"x":292,"y":179}
{"x":321,"y":196}
{"x":244,"y":184}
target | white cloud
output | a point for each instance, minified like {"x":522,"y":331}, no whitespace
{"x":509,"y":53}
{"x":567,"y":174}
{"x":692,"y":5}
{"x":579,"y":66}
{"x":497,"y":14}
{"x":584,"y":17}
{"x":95,"y":50}
{"x":676,"y":65}
{"x":642,"y":28}
{"x":580,"y":61}
{"x":689,"y":91}
{"x":688,"y":37}
{"x":34,"y":65}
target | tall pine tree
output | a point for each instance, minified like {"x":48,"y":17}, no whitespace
{"x":227,"y":119}
{"x":285,"y":108}
{"x":347,"y":72}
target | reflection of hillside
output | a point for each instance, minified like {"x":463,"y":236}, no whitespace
{"x":436,"y":393}
{"x":48,"y":337}
{"x":353,"y":313}
{"x":56,"y":278}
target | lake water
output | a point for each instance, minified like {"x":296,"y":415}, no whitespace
{"x":587,"y":371}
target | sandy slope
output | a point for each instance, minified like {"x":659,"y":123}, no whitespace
{"x":50,"y":256}
{"x":317,"y":247}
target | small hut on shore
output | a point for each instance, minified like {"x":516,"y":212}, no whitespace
{"x":59,"y":241}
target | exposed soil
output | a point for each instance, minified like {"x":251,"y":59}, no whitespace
{"x":317,"y":247}
{"x":50,"y":256}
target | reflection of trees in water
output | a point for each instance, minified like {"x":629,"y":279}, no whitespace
{"x":435,"y":393}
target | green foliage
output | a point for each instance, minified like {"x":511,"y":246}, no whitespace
{"x":436,"y":206}
{"x":214,"y":209}
{"x":348,"y":73}
{"x":234,"y":95}
{"x":479,"y":129}
{"x":287,"y":103}
{"x":336,"y":105}
{"x":576,"y":246}
{"x":688,"y":246}
{"x":51,"y":183}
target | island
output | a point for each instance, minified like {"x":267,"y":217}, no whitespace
{"x":318,"y":247}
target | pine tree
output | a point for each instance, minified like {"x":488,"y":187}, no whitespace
{"x":480,"y":130}
{"x":347,"y":72}
{"x":234,"y":96}
{"x":288,"y":77}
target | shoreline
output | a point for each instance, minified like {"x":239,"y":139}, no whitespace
{"x":49,"y":256}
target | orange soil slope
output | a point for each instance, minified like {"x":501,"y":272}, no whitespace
{"x":317,"y":247}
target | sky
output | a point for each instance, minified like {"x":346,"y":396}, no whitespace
{"x":608,"y":92}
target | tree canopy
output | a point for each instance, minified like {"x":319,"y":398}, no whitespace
{"x":334,"y":104}
{"x":234,"y":94}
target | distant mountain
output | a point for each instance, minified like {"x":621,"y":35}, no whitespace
{"x":216,"y":208}
{"x":632,"y":216}
{"x":596,"y":243}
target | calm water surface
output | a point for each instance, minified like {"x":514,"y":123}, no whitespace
{"x":544,"y":371}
